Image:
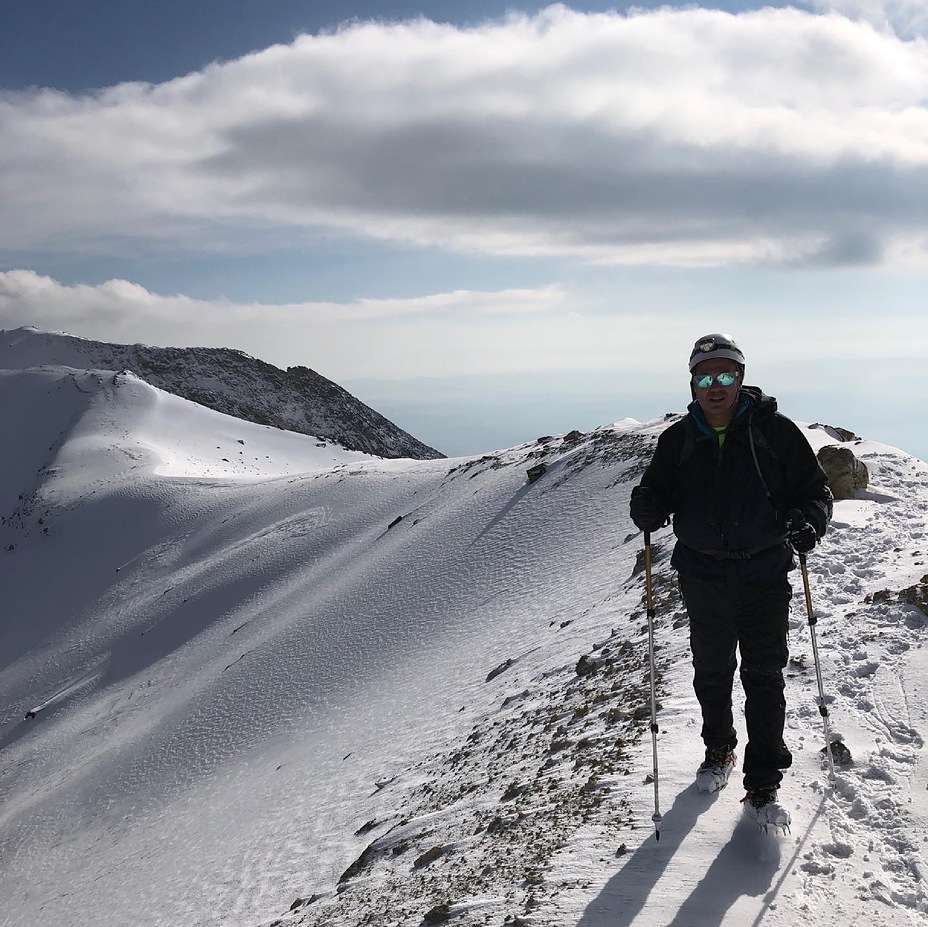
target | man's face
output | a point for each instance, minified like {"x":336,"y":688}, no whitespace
{"x":718,"y":403}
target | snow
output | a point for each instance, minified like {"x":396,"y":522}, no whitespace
{"x":250,"y":681}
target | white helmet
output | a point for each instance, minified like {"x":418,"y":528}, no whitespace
{"x":715,"y":345}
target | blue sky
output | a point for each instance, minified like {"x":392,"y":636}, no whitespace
{"x":490,"y":221}
{"x":97,"y":43}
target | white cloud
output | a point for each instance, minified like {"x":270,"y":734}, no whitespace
{"x":26,"y":291}
{"x":467,"y":333}
{"x":673,"y":136}
{"x":461,"y":331}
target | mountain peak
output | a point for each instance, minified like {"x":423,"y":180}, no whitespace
{"x":296,"y":399}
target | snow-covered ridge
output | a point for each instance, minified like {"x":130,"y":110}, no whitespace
{"x":297,"y":399}
{"x":411,"y":690}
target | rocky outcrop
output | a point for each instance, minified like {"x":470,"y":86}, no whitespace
{"x":846,"y":474}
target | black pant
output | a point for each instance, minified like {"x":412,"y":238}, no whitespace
{"x":754,"y":618}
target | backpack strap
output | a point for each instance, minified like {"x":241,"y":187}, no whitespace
{"x":760,"y":442}
{"x":689,"y":441}
{"x":756,"y":440}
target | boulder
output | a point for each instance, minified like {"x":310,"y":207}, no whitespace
{"x":846,"y":474}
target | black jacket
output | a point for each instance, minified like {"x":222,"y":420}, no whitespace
{"x":729,"y":499}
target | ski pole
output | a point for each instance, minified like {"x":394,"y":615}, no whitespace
{"x":822,"y":707}
{"x":649,"y":594}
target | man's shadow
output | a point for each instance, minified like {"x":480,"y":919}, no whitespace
{"x":746,"y":866}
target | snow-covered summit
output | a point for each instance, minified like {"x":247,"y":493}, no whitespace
{"x":400,"y":692}
{"x":297,"y":399}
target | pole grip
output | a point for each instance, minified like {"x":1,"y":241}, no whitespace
{"x":649,"y":595}
{"x":808,"y":592}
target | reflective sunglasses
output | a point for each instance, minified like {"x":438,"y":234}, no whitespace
{"x":705,"y":380}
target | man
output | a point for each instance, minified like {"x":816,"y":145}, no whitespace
{"x":745,"y":490}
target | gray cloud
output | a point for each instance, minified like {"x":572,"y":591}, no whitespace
{"x":849,"y":249}
{"x":690,"y":137}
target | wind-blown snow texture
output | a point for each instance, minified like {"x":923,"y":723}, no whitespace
{"x":264,"y":674}
{"x":296,"y":399}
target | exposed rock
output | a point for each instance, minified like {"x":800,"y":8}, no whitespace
{"x":846,"y":474}
{"x":589,"y":664}
{"x":500,"y":669}
{"x":296,"y":399}
{"x":438,"y":914}
{"x":839,"y":753}
{"x":839,"y":434}
{"x":428,"y":857}
{"x":536,"y":472}
{"x":363,"y":862}
{"x":916,"y":594}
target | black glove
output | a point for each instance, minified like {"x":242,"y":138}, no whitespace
{"x":646,"y":509}
{"x":799,"y":532}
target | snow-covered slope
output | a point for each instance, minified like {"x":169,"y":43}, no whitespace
{"x":269,"y":672}
{"x":296,"y":399}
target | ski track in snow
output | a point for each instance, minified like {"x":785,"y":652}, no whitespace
{"x":259,"y":685}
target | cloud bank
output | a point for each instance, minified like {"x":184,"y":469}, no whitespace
{"x":692,"y":137}
{"x":476,"y":334}
{"x":461,"y":331}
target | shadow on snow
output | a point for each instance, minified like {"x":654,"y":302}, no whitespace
{"x":746,"y":866}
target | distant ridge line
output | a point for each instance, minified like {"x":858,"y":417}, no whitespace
{"x":229,"y":381}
